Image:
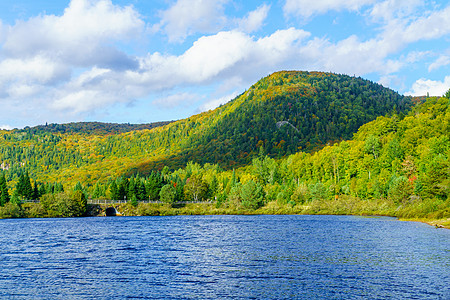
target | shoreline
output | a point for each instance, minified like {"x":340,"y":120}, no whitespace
{"x":210,"y":209}
{"x":438,"y":224}
{"x":370,"y":209}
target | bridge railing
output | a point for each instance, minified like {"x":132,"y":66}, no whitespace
{"x":112,"y":201}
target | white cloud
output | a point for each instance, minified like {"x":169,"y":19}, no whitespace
{"x":307,"y":8}
{"x":435,"y":88}
{"x":436,"y":25}
{"x":180,"y":99}
{"x":187,"y":17}
{"x":281,"y":45}
{"x":78,"y":37}
{"x":442,"y":61}
{"x":212,"y":104}
{"x":213,"y":54}
{"x":39,"y":56}
{"x":393,"y":9}
{"x":254,"y":20}
{"x":226,"y":55}
{"x":36,"y":69}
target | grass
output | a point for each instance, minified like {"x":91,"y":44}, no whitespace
{"x":432,"y":211}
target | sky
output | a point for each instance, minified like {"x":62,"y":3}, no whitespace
{"x":141,"y":61}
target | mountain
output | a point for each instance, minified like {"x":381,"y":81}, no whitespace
{"x":280,"y":114}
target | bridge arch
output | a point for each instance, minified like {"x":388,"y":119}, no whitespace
{"x":111,"y":211}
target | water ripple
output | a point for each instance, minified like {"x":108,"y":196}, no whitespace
{"x":211,"y":257}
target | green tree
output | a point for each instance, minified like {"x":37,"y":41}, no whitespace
{"x":195,"y":189}
{"x":266,"y":170}
{"x":63,"y":205}
{"x":113,"y":189}
{"x":154,"y":184}
{"x":98,"y":192}
{"x":213,"y":187}
{"x":318,"y":191}
{"x":447,"y":94}
{"x":28,"y":189}
{"x":252,"y":195}
{"x":4,"y":194}
{"x":134,"y":200}
{"x":36,"y":194}
{"x":79,"y":204}
{"x":167,"y":194}
{"x":372,"y":145}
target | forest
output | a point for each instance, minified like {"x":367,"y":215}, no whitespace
{"x":285,"y":112}
{"x":295,"y":142}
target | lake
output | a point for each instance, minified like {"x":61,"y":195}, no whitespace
{"x":216,"y":257}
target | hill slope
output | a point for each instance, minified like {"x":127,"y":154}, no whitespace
{"x":92,"y":128}
{"x":283,"y":113}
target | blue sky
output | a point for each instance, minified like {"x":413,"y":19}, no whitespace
{"x":140,"y":61}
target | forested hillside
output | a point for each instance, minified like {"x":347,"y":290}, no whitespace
{"x":393,"y":166}
{"x":283,"y":113}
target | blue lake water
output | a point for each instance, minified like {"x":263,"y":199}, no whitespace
{"x":216,"y":257}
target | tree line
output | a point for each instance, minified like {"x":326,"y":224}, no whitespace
{"x":405,"y":161}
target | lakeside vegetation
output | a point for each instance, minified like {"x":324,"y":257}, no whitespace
{"x":396,"y":165}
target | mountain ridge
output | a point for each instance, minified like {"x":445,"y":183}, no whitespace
{"x":321,"y":107}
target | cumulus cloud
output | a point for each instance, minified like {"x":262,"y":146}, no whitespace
{"x":434,"y":88}
{"x":254,"y":20}
{"x":77,"y":36}
{"x":211,"y":58}
{"x":307,"y":8}
{"x":187,"y":17}
{"x":39,"y":55}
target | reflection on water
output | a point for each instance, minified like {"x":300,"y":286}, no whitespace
{"x":210,"y":257}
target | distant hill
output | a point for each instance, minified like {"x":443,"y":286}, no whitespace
{"x":282,"y":114}
{"x":92,"y":127}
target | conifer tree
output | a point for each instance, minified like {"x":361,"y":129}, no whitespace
{"x":114,"y":190}
{"x":28,"y":189}
{"x":36,"y":194}
{"x":4,"y":194}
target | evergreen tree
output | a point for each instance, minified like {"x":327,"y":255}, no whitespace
{"x":98,"y":191}
{"x":134,"y":200}
{"x":131,"y":188}
{"x":36,"y":194}
{"x":212,"y":190}
{"x":20,"y":186}
{"x":114,"y":190}
{"x":28,"y":189}
{"x":140,"y":190}
{"x":42,"y":190}
{"x":78,"y":187}
{"x":122,"y":189}
{"x":4,"y":194}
